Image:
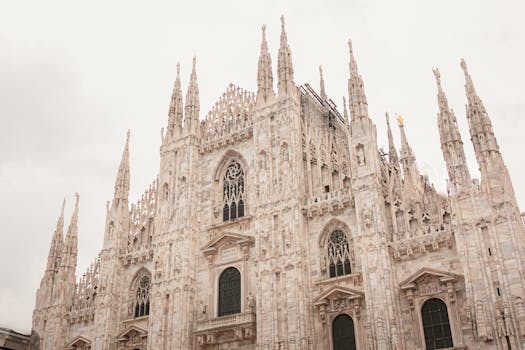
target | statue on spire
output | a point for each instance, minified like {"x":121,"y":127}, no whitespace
{"x":284,"y":65}
{"x":264,"y":73}
{"x":175,"y":110}
{"x":191,"y":118}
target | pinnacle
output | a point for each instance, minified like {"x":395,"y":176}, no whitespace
{"x":437,"y":75}
{"x":322,"y":89}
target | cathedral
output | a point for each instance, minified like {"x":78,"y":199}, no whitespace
{"x":277,"y":223}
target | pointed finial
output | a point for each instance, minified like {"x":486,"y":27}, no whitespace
{"x":353,"y":62}
{"x":178,"y":69}
{"x":437,"y":75}
{"x":63,"y":207}
{"x":345,"y":112}
{"x":264,"y":31}
{"x":127,"y":137}
{"x":400,"y":120}
{"x":282,"y":21}
{"x":77,"y":197}
{"x":322,"y":90}
{"x":194,"y":62}
{"x":464,"y":66}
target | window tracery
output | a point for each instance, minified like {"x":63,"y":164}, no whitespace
{"x":142,"y":297}
{"x":233,"y":192}
{"x":338,"y":254}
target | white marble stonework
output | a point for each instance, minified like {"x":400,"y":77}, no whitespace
{"x":276,"y":223}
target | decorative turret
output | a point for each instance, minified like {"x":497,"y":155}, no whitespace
{"x":122,"y":182}
{"x":284,"y":65}
{"x":356,"y":90}
{"x":451,"y":143}
{"x":55,"y":250}
{"x":175,"y":111}
{"x":191,"y":117}
{"x":321,"y":84}
{"x":264,"y":74}
{"x":392,"y":152}
{"x":408,"y":160}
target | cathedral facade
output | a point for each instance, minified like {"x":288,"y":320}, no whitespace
{"x":276,"y":222}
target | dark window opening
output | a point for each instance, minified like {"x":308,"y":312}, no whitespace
{"x":230,"y":292}
{"x":343,"y":333}
{"x":436,"y":325}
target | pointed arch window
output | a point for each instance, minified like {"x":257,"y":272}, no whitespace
{"x":343,"y":333}
{"x":142,"y":297}
{"x":436,"y":325}
{"x":230,"y":292}
{"x":233,"y":192}
{"x":338,"y":254}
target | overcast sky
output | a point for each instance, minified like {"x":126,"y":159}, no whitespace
{"x":75,"y":75}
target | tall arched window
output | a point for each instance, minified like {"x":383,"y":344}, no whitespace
{"x":338,"y":254}
{"x":233,"y":192}
{"x":343,"y":334}
{"x":142,"y":297}
{"x":436,"y":325}
{"x":230,"y":292}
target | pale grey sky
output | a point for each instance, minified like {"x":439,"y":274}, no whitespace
{"x":75,"y":75}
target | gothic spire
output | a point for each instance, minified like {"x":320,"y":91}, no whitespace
{"x":284,"y":65}
{"x":191,"y":119}
{"x":175,"y":111}
{"x":70,"y":249}
{"x":450,"y":137}
{"x":392,"y":152}
{"x":122,"y":182}
{"x":408,"y":160}
{"x":356,"y":90}
{"x":321,"y":83}
{"x":264,"y":73}
{"x":55,"y":250}
{"x":480,"y":126}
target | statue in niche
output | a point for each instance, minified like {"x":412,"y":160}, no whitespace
{"x":360,"y":155}
{"x":284,"y":152}
{"x":203,"y":311}
{"x":250,"y":303}
{"x":367,"y":217}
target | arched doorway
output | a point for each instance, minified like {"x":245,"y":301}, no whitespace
{"x":343,"y":333}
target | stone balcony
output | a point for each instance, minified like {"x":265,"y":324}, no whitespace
{"x":328,"y":202}
{"x":224,"y":329}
